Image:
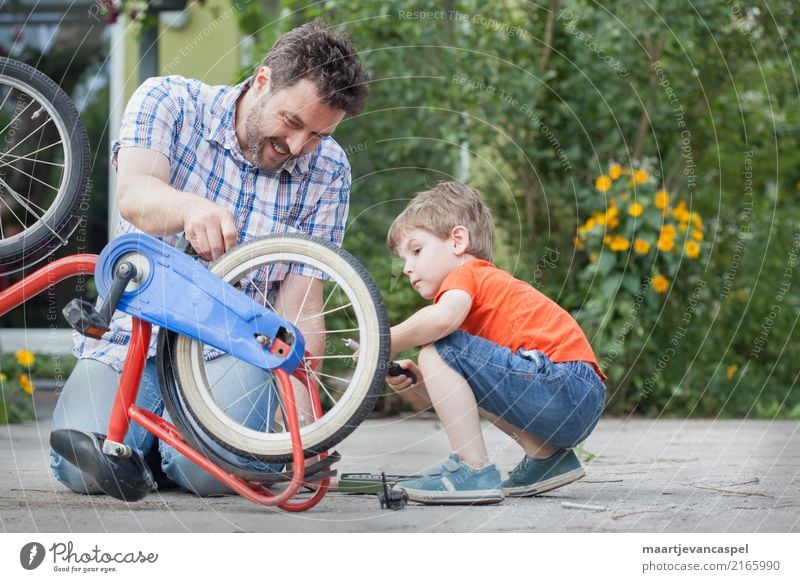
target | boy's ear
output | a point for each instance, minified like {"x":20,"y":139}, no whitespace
{"x":460,"y":237}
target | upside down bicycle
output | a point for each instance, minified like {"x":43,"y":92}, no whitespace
{"x":43,"y":172}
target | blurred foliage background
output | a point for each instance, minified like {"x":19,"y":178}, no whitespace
{"x":531,"y":103}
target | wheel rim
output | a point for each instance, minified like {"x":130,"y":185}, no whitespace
{"x":9,"y":156}
{"x":344,"y":400}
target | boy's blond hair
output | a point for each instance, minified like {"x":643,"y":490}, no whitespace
{"x":442,"y":208}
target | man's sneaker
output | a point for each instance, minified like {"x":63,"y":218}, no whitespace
{"x":455,"y":483}
{"x":535,"y":476}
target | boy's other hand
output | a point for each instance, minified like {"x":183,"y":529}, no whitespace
{"x":403,"y":382}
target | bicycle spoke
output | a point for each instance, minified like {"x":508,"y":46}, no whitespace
{"x":340,"y":378}
{"x":11,"y":210}
{"x":303,"y":304}
{"x":31,"y":177}
{"x":260,"y":292}
{"x":10,"y":123}
{"x":323,"y":386}
{"x":330,"y":331}
{"x":24,"y":139}
{"x":342,"y":357}
{"x":35,"y":160}
{"x":335,"y":309}
{"x":19,"y":198}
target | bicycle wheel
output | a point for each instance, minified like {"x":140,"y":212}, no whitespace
{"x":44,"y":166}
{"x":352,"y":308}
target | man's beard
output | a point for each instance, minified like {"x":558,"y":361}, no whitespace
{"x":256,"y":143}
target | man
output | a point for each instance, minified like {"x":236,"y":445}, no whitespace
{"x":221,"y":166}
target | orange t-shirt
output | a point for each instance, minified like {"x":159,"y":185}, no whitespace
{"x":511,"y":313}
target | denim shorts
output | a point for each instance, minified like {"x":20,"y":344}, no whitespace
{"x":558,"y":403}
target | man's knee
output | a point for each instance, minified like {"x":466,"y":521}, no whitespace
{"x":189,"y":476}
{"x":70,"y":476}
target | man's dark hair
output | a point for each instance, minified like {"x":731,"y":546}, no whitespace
{"x":313,"y":51}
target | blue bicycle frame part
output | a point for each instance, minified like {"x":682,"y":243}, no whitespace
{"x":179,"y":293}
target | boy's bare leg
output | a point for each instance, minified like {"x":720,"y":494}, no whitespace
{"x":455,"y":404}
{"x":532,"y":446}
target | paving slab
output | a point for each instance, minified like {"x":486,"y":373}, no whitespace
{"x":665,"y":475}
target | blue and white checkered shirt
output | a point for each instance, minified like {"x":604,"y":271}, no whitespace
{"x":193,"y":125}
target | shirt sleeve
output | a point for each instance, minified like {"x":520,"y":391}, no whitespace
{"x":461,"y":278}
{"x":151,"y":120}
{"x":329,"y":215}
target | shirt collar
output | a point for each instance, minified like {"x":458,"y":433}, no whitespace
{"x":222,"y":129}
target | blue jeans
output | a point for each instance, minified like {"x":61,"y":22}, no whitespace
{"x":88,"y":396}
{"x":558,"y":403}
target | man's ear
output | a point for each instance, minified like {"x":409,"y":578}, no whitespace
{"x":262,"y":80}
{"x":460,"y":237}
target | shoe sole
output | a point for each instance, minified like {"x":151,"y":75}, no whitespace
{"x":484,"y":497}
{"x":545,"y":486}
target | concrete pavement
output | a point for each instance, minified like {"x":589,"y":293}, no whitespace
{"x":668,"y":475}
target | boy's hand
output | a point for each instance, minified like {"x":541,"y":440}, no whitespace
{"x":403,"y":382}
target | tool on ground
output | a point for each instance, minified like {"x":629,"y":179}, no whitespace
{"x":394,"y":499}
{"x":368,"y":483}
{"x":392,"y":369}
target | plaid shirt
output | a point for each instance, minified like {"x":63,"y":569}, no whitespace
{"x":192,"y":124}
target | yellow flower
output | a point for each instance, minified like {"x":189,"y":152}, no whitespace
{"x":615,"y":171}
{"x":26,"y":383}
{"x":692,"y":249}
{"x":660,"y":283}
{"x":683,"y":226}
{"x":607,"y":239}
{"x":668,"y":230}
{"x":731,"y":371}
{"x":600,"y":218}
{"x":587,"y":226}
{"x":661,"y":200}
{"x":696,"y":221}
{"x":697,"y":235}
{"x":613,"y":222}
{"x":25,"y":358}
{"x":641,"y":247}
{"x":681,"y":213}
{"x":619,"y":243}
{"x":612,"y":210}
{"x":3,"y":377}
{"x":665,"y":243}
{"x":593,"y":257}
{"x":640,"y":177}
{"x":578,"y":243}
{"x":603,"y":183}
{"x":635,"y":209}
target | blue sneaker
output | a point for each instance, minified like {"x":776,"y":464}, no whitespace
{"x":535,"y":476}
{"x":455,"y":483}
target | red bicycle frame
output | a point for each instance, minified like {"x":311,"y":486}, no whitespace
{"x":125,"y":409}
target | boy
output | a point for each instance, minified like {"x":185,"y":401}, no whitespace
{"x":493,"y":344}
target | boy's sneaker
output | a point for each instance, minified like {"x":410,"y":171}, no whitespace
{"x":455,"y":482}
{"x":535,"y":476}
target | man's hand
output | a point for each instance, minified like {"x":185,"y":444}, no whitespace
{"x":147,"y":201}
{"x":209,"y":228}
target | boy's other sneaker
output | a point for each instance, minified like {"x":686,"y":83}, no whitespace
{"x":535,"y":476}
{"x":455,"y":483}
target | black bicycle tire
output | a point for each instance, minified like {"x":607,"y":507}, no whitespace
{"x":173,"y":391}
{"x":43,"y":238}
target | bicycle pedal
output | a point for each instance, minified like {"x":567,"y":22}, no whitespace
{"x":84,"y":318}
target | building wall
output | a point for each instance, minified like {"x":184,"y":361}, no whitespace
{"x":207,"y":47}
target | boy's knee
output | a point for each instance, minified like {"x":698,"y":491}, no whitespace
{"x":71,"y":477}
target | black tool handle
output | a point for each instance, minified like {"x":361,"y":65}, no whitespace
{"x":396,"y":370}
